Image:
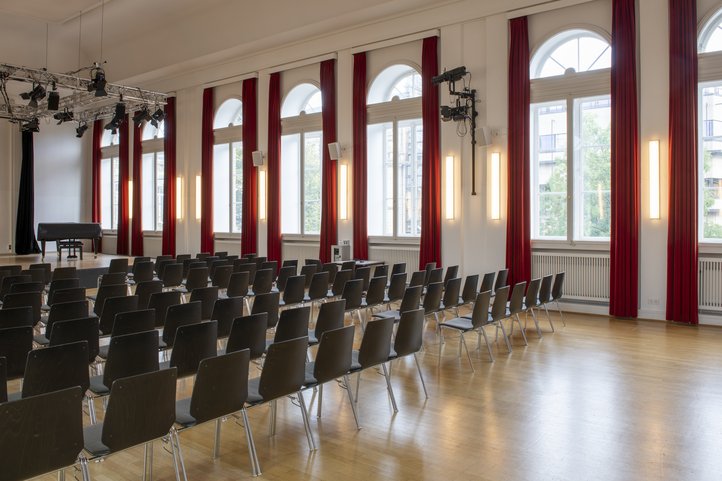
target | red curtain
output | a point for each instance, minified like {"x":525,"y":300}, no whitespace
{"x":329,"y":179}
{"x":249,"y":233}
{"x":274,"y":169}
{"x":136,"y":226}
{"x":207,"y":172}
{"x":169,"y":182}
{"x":518,"y":239}
{"x":95,"y":167}
{"x":624,"y":245}
{"x":430,"y":248}
{"x":123,"y":217}
{"x":360,"y":188}
{"x":682,"y":304}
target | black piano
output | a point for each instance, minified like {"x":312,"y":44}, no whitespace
{"x":69,"y":232}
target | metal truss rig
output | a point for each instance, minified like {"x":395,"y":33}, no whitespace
{"x":78,"y":95}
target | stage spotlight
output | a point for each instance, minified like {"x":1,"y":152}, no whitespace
{"x":82,"y":127}
{"x":141,"y":115}
{"x":64,"y":116}
{"x":98,"y":83}
{"x":117,"y":118}
{"x":450,"y":75}
{"x":37,"y":93}
{"x":453,"y":113}
{"x":53,"y":99}
{"x":31,"y":126}
{"x":158,"y":116}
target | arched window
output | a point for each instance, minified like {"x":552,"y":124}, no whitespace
{"x":153,"y":165}
{"x":571,"y":51}
{"x":109,"y":138}
{"x":710,"y":36}
{"x":228,"y":167}
{"x":109,"y":179}
{"x":571,"y":137}
{"x":395,"y":146}
{"x":301,"y":155}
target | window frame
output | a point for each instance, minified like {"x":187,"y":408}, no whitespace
{"x":229,"y":135}
{"x":110,"y":152}
{"x":153,"y":146}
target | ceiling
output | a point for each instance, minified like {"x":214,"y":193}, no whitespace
{"x":50,"y":11}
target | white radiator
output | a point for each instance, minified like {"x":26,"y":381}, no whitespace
{"x":710,"y":283}
{"x":395,"y":254}
{"x":587,"y":275}
{"x":299,"y":250}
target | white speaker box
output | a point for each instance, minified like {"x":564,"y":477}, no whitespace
{"x":334,"y":150}
{"x":257,"y":158}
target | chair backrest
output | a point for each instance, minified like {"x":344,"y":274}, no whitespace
{"x":517,"y":298}
{"x":348,"y":266}
{"x":545,"y":290}
{"x":180,"y":315}
{"x":363,"y":273}
{"x":284,"y":369}
{"x":8,"y":281}
{"x":342,"y":277}
{"x":160,"y":265}
{"x":498,"y":308}
{"x":245,"y":266}
{"x":207,"y":296}
{"x":47,"y":270}
{"x":59,"y":284}
{"x":221,"y":254}
{"x":16,"y":317}
{"x":308,"y":271}
{"x":471,"y":284}
{"x":263,"y":281}
{"x":3,"y":380}
{"x":65,"y":311}
{"x":410,"y":333}
{"x":172,"y":275}
{"x":330,"y":316}
{"x":532,"y":293}
{"x":238,"y":284}
{"x":292,"y":323}
{"x":221,"y":386}
{"x":111,"y":279}
{"x":381,"y":271}
{"x":143,"y":271}
{"x":141,"y":259}
{"x":249,"y":332}
{"x":74,"y":330}
{"x":376,"y":291}
{"x":411,"y":299}
{"x":376,"y":343}
{"x":417,"y":278}
{"x":273,"y":265}
{"x":352,"y":293}
{"x":15,"y":344}
{"x":160,"y":302}
{"x":295,"y":290}
{"x":432,"y":299}
{"x":118,"y":265}
{"x":215,"y":265}
{"x":558,"y":289}
{"x":133,"y":321}
{"x":104,"y":292}
{"x":283,"y":276}
{"x":224,"y":312}
{"x":140,"y":409}
{"x":182,"y":257}
{"x":73,"y":294}
{"x":37,"y":275}
{"x":290,"y":262}
{"x":51,"y":424}
{"x":193,"y":343}
{"x":501,"y":279}
{"x":267,"y":303}
{"x":332,"y":269}
{"x":131,"y":354}
{"x":430,"y":266}
{"x":319,"y":286}
{"x":64,"y":273}
{"x":398,"y":268}
{"x":22,"y":299}
{"x":55,"y":368}
{"x":222,"y":276}
{"x":145,"y":289}
{"x":12,"y":270}
{"x":333,"y":359}
{"x":316,"y":262}
{"x":32,"y":286}
{"x":203,"y":255}
{"x":397,"y":286}
{"x":480,"y":314}
{"x":114,"y":305}
{"x":197,"y":278}
{"x":452,"y":288}
{"x":435,"y":275}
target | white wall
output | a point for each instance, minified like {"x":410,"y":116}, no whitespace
{"x":9,"y":177}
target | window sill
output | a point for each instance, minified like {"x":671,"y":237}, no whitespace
{"x":570,"y":246}
{"x":110,"y":232}
{"x":226,"y":236}
{"x":710,"y":248}
{"x":300,"y":238}
{"x":153,"y":233}
{"x":381,"y":240}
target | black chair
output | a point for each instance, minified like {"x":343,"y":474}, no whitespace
{"x":430,"y":266}
{"x":74,"y":330}
{"x":182,"y":257}
{"x":172,"y":276}
{"x":501,"y":279}
{"x":243,"y":266}
{"x":221,"y":276}
{"x":409,"y":340}
{"x":203,"y":255}
{"x":104,"y":292}
{"x":67,"y":295}
{"x":224,"y":312}
{"x":398,"y":268}
{"x":452,"y":272}
{"x":160,"y":302}
{"x":308,"y":271}
{"x":545,"y":293}
{"x":417,"y":279}
{"x":3,"y":380}
{"x":179,"y":315}
{"x":267,"y":303}
{"x":469,"y":292}
{"x":557,"y":293}
{"x":207,"y":296}
{"x":262,"y":281}
{"x":283,"y":276}
{"x":318,"y":289}
{"x":348,"y":266}
{"x":128,"y":355}
{"x":142,"y":272}
{"x":118,"y":266}
{"x":342,"y":277}
{"x":140,"y":410}
{"x":37,"y":275}
{"x":435,"y":275}
{"x":46,"y":269}
{"x":160,"y":263}
{"x":332,"y":269}
{"x":375,"y":350}
{"x":333,"y":361}
{"x":290,"y":262}
{"x":452,"y":289}
{"x":32,"y":286}
{"x":42,"y":434}
{"x":432,"y":300}
{"x":375,"y":295}
{"x":381,"y":271}
{"x":353,"y":295}
{"x":409,"y":302}
{"x":498,"y":313}
{"x":479,"y":318}
{"x":16,"y":317}
{"x":396,"y":290}
{"x":59,"y":285}
{"x":363,"y":273}
{"x":64,"y":273}
{"x":272,"y":265}
{"x":22,"y":299}
{"x":330,"y":316}
{"x":145,"y":289}
{"x":112,"y":279}
{"x":516,"y":305}
{"x":215,"y":265}
{"x":220,"y":389}
{"x":12,"y":270}
{"x":295,"y":291}
{"x":249,"y":332}
{"x":62,"y":311}
{"x":8,"y":282}
{"x":197,"y":278}
{"x":114,"y":305}
{"x":193,"y":343}
{"x":238,"y":284}
{"x":15,"y":344}
{"x":283,"y":375}
{"x":316,"y":262}
{"x":531,"y":302}
{"x":129,"y":323}
{"x":292,"y":324}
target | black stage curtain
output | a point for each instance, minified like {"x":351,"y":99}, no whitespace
{"x":25,"y":242}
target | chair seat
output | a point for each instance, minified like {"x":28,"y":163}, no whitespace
{"x":162,"y":344}
{"x":164,"y":365}
{"x":393,"y":354}
{"x":45,"y":308}
{"x":312,"y":337}
{"x":182,"y":290}
{"x":395,"y":315}
{"x":253,"y":396}
{"x":92,"y":298}
{"x":183,"y":413}
{"x":355,"y":366}
{"x":460,"y":323}
{"x":41,"y":339}
{"x":103,"y":353}
{"x":97,"y":387}
{"x":92,"y":440}
{"x":309,"y":380}
{"x":15,"y":396}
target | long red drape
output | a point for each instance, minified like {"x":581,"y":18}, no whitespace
{"x":682,"y":304}
{"x":136,"y":226}
{"x":360,"y":187}
{"x":274,"y":169}
{"x":624,"y":245}
{"x":123,"y":217}
{"x":96,"y":208}
{"x":329,"y":179}
{"x":249,"y":233}
{"x":430,"y":248}
{"x":169,"y":180}
{"x":207,"y":172}
{"x":518,"y":238}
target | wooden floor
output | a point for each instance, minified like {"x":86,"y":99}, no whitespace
{"x":88,"y":262}
{"x":599,"y":399}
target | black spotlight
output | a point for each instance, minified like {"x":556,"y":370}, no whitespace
{"x":141,"y":115}
{"x":31,"y":126}
{"x":158,"y":116}
{"x":82,"y":127}
{"x":37,"y":93}
{"x":453,"y":113}
{"x":64,"y":116}
{"x":117,"y":118}
{"x":98,"y":83}
{"x":54,"y":99}
{"x":449,"y":75}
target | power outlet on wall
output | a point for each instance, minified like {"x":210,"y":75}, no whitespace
{"x":653,"y":302}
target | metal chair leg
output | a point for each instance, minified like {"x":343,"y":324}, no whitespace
{"x":561,"y":314}
{"x":320,"y":401}
{"x":441,"y":343}
{"x":91,"y":410}
{"x":175,"y":458}
{"x":176,"y":439}
{"x":506,"y":338}
{"x":468,"y":356}
{"x":536,"y":323}
{"x":85,"y":471}
{"x":217,"y":442}
{"x":148,"y":462}
{"x":421,"y":376}
{"x":306,"y":423}
{"x":351,"y":400}
{"x":486,"y":340}
{"x":272,"y":419}
{"x":358,"y":382}
{"x":389,"y":387}
{"x":255,"y":465}
{"x":61,"y":475}
{"x":523,"y":332}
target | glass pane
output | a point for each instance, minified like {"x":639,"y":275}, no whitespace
{"x":159,"y":189}
{"x":549,"y":170}
{"x":711,"y":190}
{"x":593,"y":146}
{"x":115,"y":193}
{"x":312,"y":183}
{"x":237,"y":189}
{"x":106,"y":205}
{"x":230,"y":113}
{"x":380,"y":175}
{"x":221,"y":187}
{"x":290,"y":184}
{"x":408,"y":178}
{"x":148,"y":191}
{"x":578,"y":50}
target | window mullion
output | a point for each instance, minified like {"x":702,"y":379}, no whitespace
{"x":571,"y":171}
{"x":302,"y":190}
{"x":230,"y":187}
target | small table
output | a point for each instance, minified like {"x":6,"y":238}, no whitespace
{"x":360,"y":263}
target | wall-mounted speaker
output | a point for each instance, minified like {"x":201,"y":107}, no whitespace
{"x":334,"y":150}
{"x":257,"y":158}
{"x":483,"y":136}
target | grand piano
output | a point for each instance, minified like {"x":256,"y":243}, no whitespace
{"x":69,"y":231}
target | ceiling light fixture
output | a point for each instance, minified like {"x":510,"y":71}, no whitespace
{"x":82,"y":127}
{"x":64,"y":116}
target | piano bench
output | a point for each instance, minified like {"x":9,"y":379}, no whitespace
{"x":72,"y":246}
